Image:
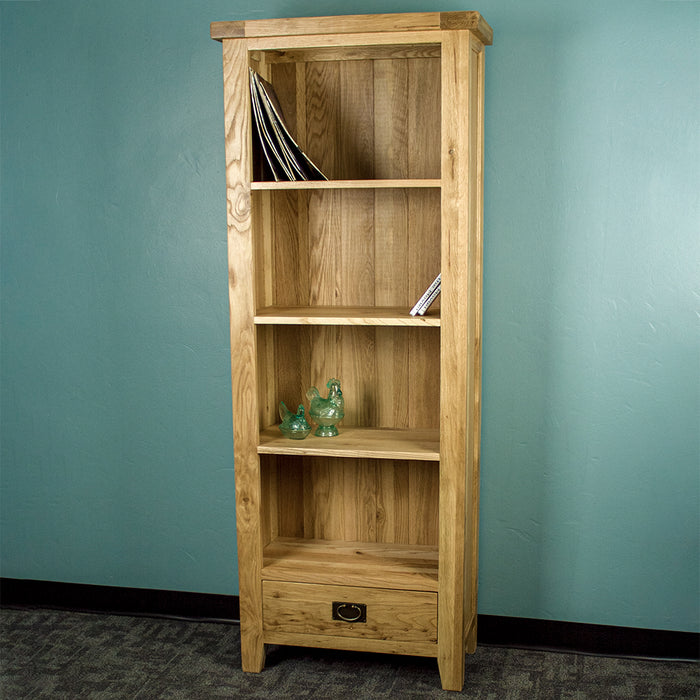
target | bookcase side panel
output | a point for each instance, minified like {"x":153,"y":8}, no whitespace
{"x":476,"y":175}
{"x":243,"y":349}
{"x":455,"y":431}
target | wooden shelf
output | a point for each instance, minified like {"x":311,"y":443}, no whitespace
{"x":377,"y":565}
{"x":368,"y":443}
{"x":344,"y":316}
{"x":415,"y":22}
{"x":346,"y":184}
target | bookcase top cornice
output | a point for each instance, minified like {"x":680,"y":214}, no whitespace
{"x":355,"y":24}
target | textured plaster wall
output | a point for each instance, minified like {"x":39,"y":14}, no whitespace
{"x":115,"y":416}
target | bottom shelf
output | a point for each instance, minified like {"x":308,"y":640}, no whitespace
{"x":370,"y":564}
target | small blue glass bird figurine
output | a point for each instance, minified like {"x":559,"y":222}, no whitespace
{"x":327,"y":412}
{"x":294,"y":426}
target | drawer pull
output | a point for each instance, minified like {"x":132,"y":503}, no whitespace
{"x":350,"y":612}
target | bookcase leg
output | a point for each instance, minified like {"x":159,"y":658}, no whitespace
{"x":451,"y":673}
{"x":252,"y":653}
{"x":471,"y":638}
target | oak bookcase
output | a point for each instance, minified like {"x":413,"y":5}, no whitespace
{"x":381,"y":521}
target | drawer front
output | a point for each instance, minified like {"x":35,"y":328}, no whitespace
{"x":349,"y":611}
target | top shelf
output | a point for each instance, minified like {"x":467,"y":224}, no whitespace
{"x":355,"y":24}
{"x":346,"y":184}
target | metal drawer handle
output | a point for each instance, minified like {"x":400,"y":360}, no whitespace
{"x":350,"y":612}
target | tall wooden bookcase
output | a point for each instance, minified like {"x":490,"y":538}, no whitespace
{"x":368,"y":540}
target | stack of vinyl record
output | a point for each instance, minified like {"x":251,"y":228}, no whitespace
{"x":282,"y":154}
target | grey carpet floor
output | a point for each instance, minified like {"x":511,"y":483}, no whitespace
{"x":57,"y":654}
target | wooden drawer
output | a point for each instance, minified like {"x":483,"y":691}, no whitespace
{"x":304,"y":608}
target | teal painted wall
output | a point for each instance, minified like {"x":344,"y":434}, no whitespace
{"x":116,"y":420}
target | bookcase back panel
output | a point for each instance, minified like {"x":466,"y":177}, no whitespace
{"x":364,"y":119}
{"x":358,"y":247}
{"x":390,"y":377}
{"x":362,"y":500}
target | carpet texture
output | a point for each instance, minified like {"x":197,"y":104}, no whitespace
{"x":57,"y":654}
